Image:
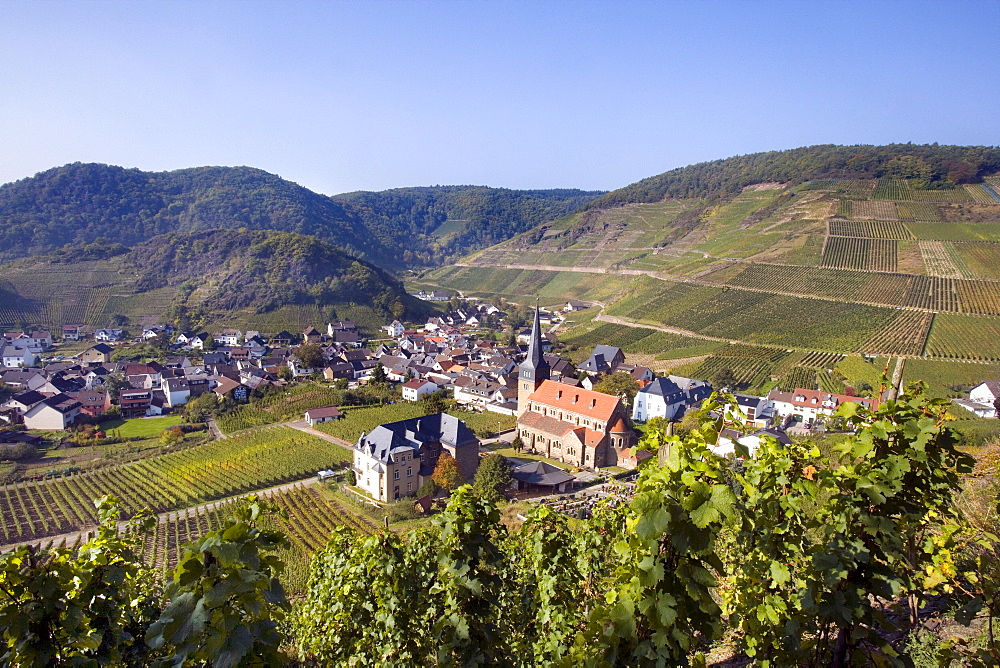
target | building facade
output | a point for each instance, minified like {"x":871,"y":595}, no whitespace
{"x":569,"y":424}
{"x":395,"y":459}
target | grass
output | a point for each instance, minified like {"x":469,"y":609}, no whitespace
{"x":510,"y":453}
{"x":142,"y":427}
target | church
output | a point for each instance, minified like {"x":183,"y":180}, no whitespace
{"x":569,"y":424}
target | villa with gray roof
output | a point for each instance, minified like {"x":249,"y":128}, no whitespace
{"x":394,"y":460}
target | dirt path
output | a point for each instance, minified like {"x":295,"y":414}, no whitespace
{"x":303,"y":426}
{"x":661,"y":328}
{"x":214,"y":428}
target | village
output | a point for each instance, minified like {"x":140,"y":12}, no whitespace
{"x":566,"y":434}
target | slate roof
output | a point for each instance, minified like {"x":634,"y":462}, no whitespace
{"x":409,"y":435}
{"x":541,"y":473}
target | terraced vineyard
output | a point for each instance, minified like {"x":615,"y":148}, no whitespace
{"x":859,"y":253}
{"x":264,"y":458}
{"x":311,"y":519}
{"x":754,"y":316}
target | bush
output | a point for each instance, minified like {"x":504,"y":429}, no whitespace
{"x":15,"y":452}
{"x":429,"y":488}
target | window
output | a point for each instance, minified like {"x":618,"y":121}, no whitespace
{"x":409,"y":471}
{"x":395,"y":475}
{"x":409,"y":487}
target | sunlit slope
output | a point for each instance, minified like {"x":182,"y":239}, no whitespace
{"x":870,"y":266}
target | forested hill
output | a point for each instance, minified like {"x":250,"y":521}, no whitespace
{"x":84,"y":203}
{"x":937,"y":166}
{"x":261,"y":279}
{"x":264,"y":270}
{"x":448,"y":221}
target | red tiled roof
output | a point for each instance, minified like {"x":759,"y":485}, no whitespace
{"x":619,"y":427}
{"x":595,"y":405}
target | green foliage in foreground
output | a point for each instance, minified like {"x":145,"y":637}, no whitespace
{"x":816,"y":560}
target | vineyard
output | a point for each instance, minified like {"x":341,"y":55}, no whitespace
{"x":288,"y":404}
{"x":752,"y":366}
{"x":964,"y":338}
{"x":904,"y":335}
{"x":874,"y":211}
{"x":858,"y":253}
{"x":892,"y":189}
{"x":870,"y":229}
{"x":755,"y":317}
{"x":365,"y":418}
{"x":311,"y":518}
{"x":636,"y":340}
{"x":940,"y":261}
{"x":203,"y":473}
{"x":798,"y":377}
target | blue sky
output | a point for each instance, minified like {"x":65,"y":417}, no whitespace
{"x":341,"y":96}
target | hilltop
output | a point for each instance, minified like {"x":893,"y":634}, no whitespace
{"x":85,"y":203}
{"x":265,"y":278}
{"x":899,"y":258}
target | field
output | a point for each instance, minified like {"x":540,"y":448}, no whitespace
{"x":184,"y":478}
{"x":141,"y":427}
{"x":949,"y":378}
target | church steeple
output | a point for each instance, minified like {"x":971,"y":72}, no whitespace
{"x":534,"y":369}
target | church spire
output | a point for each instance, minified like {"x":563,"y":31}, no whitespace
{"x":534,"y":367}
{"x":534,"y":370}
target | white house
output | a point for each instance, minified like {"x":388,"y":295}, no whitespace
{"x":416,"y":389}
{"x":810,"y":404}
{"x":985,"y":393}
{"x":108,"y":335}
{"x":229,"y":338}
{"x":726,"y":446}
{"x":15,"y":356}
{"x":395,"y":330}
{"x":57,"y":412}
{"x":177,"y":391}
{"x":661,"y":398}
{"x":980,"y":410}
{"x":316,"y":415}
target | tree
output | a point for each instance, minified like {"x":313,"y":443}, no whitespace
{"x":724,"y":378}
{"x":172,"y":436}
{"x":492,"y":478}
{"x":435,"y":402}
{"x":114,"y":384}
{"x":310,"y":355}
{"x":199,"y":408}
{"x":378,"y":374}
{"x":619,"y":384}
{"x":446,"y":474}
{"x":209,"y":343}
